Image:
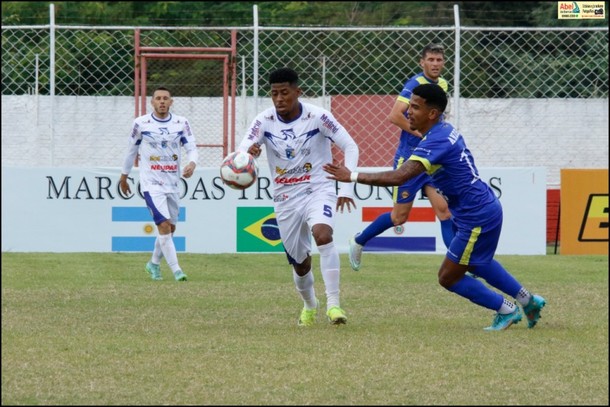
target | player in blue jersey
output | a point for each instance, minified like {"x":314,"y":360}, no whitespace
{"x":477,"y":212}
{"x":432,"y":62}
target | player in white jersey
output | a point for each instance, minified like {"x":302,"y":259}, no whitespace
{"x":159,"y":137}
{"x":298,"y":138}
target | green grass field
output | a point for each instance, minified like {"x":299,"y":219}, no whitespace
{"x":93,"y":329}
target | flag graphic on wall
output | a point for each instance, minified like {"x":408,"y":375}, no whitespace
{"x":257,"y":230}
{"x":144,"y":239}
{"x":400,"y":243}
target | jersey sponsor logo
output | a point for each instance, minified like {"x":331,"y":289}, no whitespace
{"x":329,"y":124}
{"x":297,"y":170}
{"x":257,"y":230}
{"x":164,"y":167}
{"x":134,"y":132}
{"x":292,"y":180}
{"x":454,"y":136}
{"x":284,"y":197}
{"x":164,"y":158}
{"x":253,"y":133}
{"x":595,"y":225}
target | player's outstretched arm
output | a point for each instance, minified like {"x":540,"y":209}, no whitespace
{"x":396,"y":177}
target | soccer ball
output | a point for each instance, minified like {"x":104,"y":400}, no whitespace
{"x":239,"y":170}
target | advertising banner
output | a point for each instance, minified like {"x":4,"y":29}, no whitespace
{"x":584,"y":211}
{"x":83,"y":210}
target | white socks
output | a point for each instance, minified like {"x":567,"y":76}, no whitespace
{"x":169,"y":251}
{"x":523,"y":296}
{"x":329,"y":266}
{"x":507,"y":307}
{"x":304,"y":285}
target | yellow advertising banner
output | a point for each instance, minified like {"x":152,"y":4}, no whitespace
{"x":584,"y":211}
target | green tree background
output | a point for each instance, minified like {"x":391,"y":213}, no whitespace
{"x":85,"y":68}
{"x":291,"y":13}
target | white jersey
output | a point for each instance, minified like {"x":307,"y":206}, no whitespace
{"x":296,"y":151}
{"x":159,"y":143}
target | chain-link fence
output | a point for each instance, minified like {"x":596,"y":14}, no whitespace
{"x":520,"y":96}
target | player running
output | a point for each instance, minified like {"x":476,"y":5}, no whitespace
{"x":477,"y":212}
{"x":298,"y":138}
{"x":159,"y":138}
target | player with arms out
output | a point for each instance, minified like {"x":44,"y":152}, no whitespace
{"x":432,"y":62}
{"x":159,"y":137}
{"x":477,"y":212}
{"x":298,"y":138}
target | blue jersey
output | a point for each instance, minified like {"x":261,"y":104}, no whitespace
{"x":447,"y":159}
{"x":409,"y":141}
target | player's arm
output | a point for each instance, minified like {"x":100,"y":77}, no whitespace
{"x":351,"y":155}
{"x":192,"y":154}
{"x":252,"y":141}
{"x":405,"y":172}
{"x":397,"y":116}
{"x":130,"y":159}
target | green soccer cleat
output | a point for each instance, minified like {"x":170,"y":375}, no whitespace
{"x":503,"y":321}
{"x":154,"y":270}
{"x":179,"y":275}
{"x":308,"y":316}
{"x":355,"y":253}
{"x":532,"y":310}
{"x":336,"y":316}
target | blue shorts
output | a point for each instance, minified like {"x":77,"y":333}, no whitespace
{"x":476,"y":244}
{"x":407,"y":192}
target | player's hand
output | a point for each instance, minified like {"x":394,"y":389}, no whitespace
{"x":124,"y":185}
{"x":338,"y":172}
{"x":255,"y":150}
{"x":189,"y":170}
{"x":343,"y":201}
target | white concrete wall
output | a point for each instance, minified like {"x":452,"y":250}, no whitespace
{"x":91,"y":131}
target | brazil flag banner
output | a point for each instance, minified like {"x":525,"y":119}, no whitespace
{"x":257,"y":230}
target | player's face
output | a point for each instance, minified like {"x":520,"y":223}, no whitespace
{"x":418,"y":114}
{"x":286,"y":100}
{"x":161,"y":101}
{"x":433,"y":64}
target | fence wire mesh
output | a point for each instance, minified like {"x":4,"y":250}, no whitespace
{"x":513,"y":85}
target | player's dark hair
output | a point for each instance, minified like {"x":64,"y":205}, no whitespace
{"x":162,"y":88}
{"x":433,"y":94}
{"x":434,"y":49}
{"x":284,"y":75}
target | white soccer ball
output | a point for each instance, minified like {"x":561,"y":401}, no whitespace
{"x":239,"y":170}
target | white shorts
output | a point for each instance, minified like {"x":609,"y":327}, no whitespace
{"x":163,"y":206}
{"x":296,"y":221}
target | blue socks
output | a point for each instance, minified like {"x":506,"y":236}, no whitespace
{"x":498,"y":277}
{"x":477,"y":292}
{"x":379,"y":225}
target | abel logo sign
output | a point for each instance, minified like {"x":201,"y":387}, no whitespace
{"x":581,"y":10}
